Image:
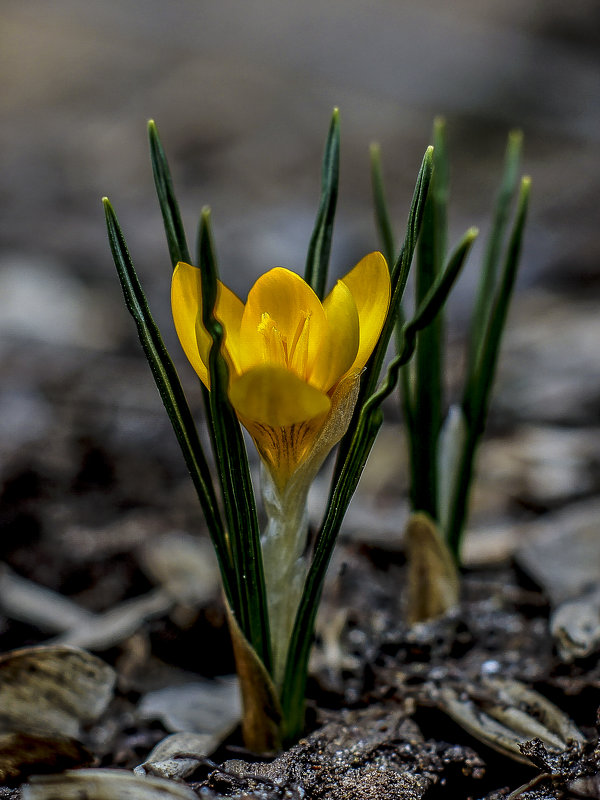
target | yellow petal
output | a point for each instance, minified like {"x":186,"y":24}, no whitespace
{"x":339,"y":351}
{"x":283,"y":414}
{"x":186,"y":304}
{"x":283,"y":324}
{"x":272,"y":395}
{"x":369,"y":283}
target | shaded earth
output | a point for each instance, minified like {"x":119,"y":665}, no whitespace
{"x":104,"y":520}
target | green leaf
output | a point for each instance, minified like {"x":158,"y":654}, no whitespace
{"x":478,"y":399}
{"x":363,"y":436}
{"x":425,"y":413}
{"x":450,"y":449}
{"x":319,"y":250}
{"x":399,"y":273}
{"x":248,"y":595}
{"x":178,"y":249}
{"x":493,"y":252}
{"x":435,"y":298}
{"x":172,"y":395}
{"x":475,"y":405}
{"x":175,"y":233}
{"x":399,"y":276}
{"x":432,"y":240}
{"x":382,"y":216}
{"x":234,"y":473}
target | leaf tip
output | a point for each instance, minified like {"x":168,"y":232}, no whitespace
{"x":515,"y":136}
{"x":109,"y":211}
{"x":439,"y":124}
{"x":525,"y":190}
{"x":153,"y":133}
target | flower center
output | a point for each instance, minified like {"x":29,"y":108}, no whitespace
{"x":290,"y":351}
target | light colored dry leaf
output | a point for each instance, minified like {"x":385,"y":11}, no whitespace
{"x":333,"y":656}
{"x":52,"y":690}
{"x":261,"y":709}
{"x":103,"y":784}
{"x":26,"y":601}
{"x":37,"y":605}
{"x":112,"y":627}
{"x":575,"y":625}
{"x":185,"y":566}
{"x":433,"y":582}
{"x":504,"y":714}
{"x":561,"y":551}
{"x":178,"y":755}
{"x":208,"y":707}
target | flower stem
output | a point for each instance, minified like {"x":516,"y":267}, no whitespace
{"x":283,"y":546}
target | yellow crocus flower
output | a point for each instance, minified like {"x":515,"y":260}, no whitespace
{"x":292,"y":359}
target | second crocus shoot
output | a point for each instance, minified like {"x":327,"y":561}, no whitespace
{"x":300,"y":371}
{"x":443,"y":448}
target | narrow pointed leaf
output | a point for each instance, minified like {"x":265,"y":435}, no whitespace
{"x":234,"y":473}
{"x":319,"y":250}
{"x":479,"y":391}
{"x":171,"y":393}
{"x":427,"y":399}
{"x":399,"y":276}
{"x":178,"y":249}
{"x":477,"y":395}
{"x":493,"y":252}
{"x":174,"y":231}
{"x":399,"y":273}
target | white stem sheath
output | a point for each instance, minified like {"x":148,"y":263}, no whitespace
{"x":284,"y":543}
{"x":284,"y":540}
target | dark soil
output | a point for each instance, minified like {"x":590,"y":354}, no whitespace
{"x":377,"y":727}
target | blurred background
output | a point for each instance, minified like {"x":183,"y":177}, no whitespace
{"x":242,"y":94}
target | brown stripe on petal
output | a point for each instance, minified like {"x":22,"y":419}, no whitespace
{"x":284,"y":448}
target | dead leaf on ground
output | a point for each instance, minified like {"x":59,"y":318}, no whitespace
{"x":504,"y":714}
{"x":184,"y":566}
{"x":110,"y":628}
{"x":575,"y":625}
{"x":52,"y":690}
{"x":177,"y":756}
{"x":47,"y":694}
{"x":24,"y":753}
{"x":212,"y":708}
{"x":27,"y":601}
{"x":103,"y":784}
